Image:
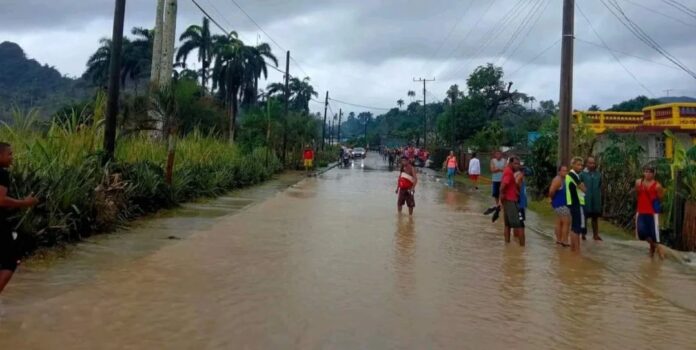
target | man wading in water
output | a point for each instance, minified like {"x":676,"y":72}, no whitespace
{"x":650,"y":193}
{"x":9,"y":249}
{"x":406,"y":186}
{"x":509,"y":199}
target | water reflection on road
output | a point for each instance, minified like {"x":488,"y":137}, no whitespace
{"x":329,"y":264}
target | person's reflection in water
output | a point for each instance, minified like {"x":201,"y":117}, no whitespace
{"x":404,"y":252}
{"x":514,"y":266}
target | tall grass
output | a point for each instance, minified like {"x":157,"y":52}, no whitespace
{"x":79,"y":195}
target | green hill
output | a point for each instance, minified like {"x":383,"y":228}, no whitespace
{"x":26,"y":83}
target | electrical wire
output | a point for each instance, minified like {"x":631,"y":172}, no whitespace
{"x":449,"y":35}
{"x":604,"y":43}
{"x":536,"y":57}
{"x":625,"y":53}
{"x":681,"y":7}
{"x":526,"y":35}
{"x":652,"y":10}
{"x":526,"y":26}
{"x":359,"y":105}
{"x":206,"y":14}
{"x":639,"y":33}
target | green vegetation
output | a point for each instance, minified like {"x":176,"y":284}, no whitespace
{"x":80,"y":195}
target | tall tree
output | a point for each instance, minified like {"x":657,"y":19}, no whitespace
{"x":411,"y":94}
{"x":198,"y":38}
{"x":400,"y":103}
{"x":228,"y":74}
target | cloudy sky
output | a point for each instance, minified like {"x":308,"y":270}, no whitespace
{"x":368,"y":51}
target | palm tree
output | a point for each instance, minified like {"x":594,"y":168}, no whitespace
{"x":301,"y":92}
{"x":228,"y":74}
{"x":98,"y":63}
{"x":411,"y":94}
{"x":198,"y":38}
{"x":400,"y":103}
{"x":257,"y":66}
{"x":136,"y":57}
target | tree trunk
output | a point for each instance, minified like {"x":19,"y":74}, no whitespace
{"x":233,"y":113}
{"x":157,"y":46}
{"x":204,"y":71}
{"x":171,"y":149}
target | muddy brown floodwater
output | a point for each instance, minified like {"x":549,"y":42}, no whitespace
{"x":327,"y":264}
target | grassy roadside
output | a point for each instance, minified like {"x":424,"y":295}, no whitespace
{"x":543,"y":209}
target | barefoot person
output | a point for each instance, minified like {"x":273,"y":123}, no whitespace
{"x":9,"y":250}
{"x":509,"y":199}
{"x":474,"y":170}
{"x":575,"y":200}
{"x":557,"y":197}
{"x":649,"y":192}
{"x":406,"y":186}
{"x":593,"y":197}
{"x":452,"y":168}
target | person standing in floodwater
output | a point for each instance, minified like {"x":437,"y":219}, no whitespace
{"x":509,"y":199}
{"x":474,"y":170}
{"x":406,"y":186}
{"x":452,"y":168}
{"x":10,"y":253}
{"x":650,"y":193}
{"x":557,"y":196}
{"x":593,"y":197}
{"x":497,"y":167}
{"x":575,"y":200}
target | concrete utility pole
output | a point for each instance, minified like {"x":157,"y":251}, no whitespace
{"x":157,"y":47}
{"x":340,"y":116}
{"x":114,"y":79}
{"x":168,"y":43}
{"x":566,"y":96}
{"x":425,"y":111}
{"x":287,"y":105}
{"x":323,"y":127}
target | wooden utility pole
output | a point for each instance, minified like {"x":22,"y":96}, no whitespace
{"x":340,"y":116}
{"x":287,"y":105}
{"x":114,"y":80}
{"x":323,"y":127}
{"x":566,"y":93}
{"x":425,"y":111}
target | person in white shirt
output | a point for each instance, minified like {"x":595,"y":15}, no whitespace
{"x":474,"y":170}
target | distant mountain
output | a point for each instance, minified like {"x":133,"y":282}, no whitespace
{"x":673,"y":99}
{"x":26,"y":83}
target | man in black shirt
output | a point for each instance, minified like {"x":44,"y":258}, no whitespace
{"x":9,"y":251}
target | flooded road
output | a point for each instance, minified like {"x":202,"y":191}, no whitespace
{"x":328,"y":264}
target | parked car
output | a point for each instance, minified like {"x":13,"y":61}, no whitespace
{"x":359,"y":153}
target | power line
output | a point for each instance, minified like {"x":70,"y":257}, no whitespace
{"x":681,"y":7}
{"x":652,"y":10}
{"x":639,"y":33}
{"x":449,"y":34}
{"x":625,"y":53}
{"x":604,"y":43}
{"x":359,"y":105}
{"x":536,"y":57}
{"x":268,"y":35}
{"x":467,"y":35}
{"x":529,"y":23}
{"x":205,"y":13}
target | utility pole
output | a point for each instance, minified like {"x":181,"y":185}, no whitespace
{"x":287,"y":104}
{"x":323,"y":127}
{"x":331,"y":129}
{"x":667,"y":91}
{"x":114,"y":79}
{"x":340,"y":115}
{"x":425,"y":111}
{"x":566,"y":94}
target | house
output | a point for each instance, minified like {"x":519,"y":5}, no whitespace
{"x":648,"y":126}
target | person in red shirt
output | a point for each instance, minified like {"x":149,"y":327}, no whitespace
{"x":308,"y":157}
{"x":649,"y":192}
{"x":509,"y":199}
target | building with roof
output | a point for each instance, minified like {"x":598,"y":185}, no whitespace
{"x":648,"y":126}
